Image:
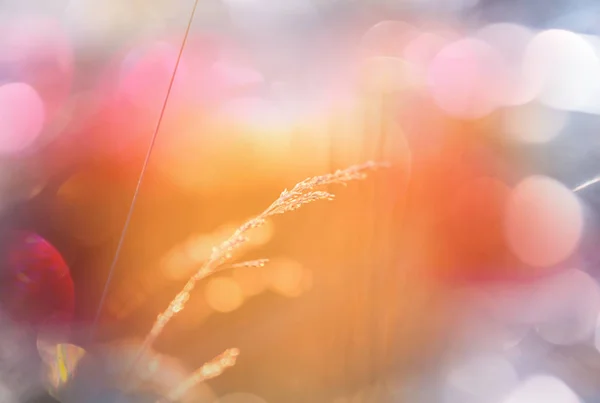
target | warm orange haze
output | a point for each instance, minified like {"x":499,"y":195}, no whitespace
{"x":244,"y":201}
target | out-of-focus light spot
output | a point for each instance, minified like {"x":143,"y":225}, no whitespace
{"x":387,"y":38}
{"x":241,"y":398}
{"x":250,"y":279}
{"x":286,"y":277}
{"x":29,"y":38}
{"x":562,"y":69}
{"x":511,"y":41}
{"x":199,"y":248}
{"x":509,"y":38}
{"x":261,"y":235}
{"x":223,"y":294}
{"x":513,"y":337}
{"x":488,"y":324}
{"x":487,"y":377}
{"x":542,"y":388}
{"x":177,"y":264}
{"x":22,"y":116}
{"x":422,"y":50}
{"x":36,"y":50}
{"x":562,"y":306}
{"x":386,"y":74}
{"x":466,"y":79}
{"x":593,"y":104}
{"x":534,"y":123}
{"x":544,"y":221}
{"x":181,"y":261}
{"x":200,"y":393}
{"x":146,"y":74}
{"x":209,"y":370}
{"x":424,"y":126}
{"x":573,"y":319}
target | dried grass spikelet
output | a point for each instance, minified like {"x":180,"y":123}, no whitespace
{"x":304,"y":192}
{"x":250,"y":263}
{"x":211,"y":369}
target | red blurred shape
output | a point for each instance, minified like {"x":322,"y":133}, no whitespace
{"x":36,"y":285}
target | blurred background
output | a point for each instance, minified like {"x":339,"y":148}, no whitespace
{"x":465,"y":272}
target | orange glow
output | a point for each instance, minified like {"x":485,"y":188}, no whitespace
{"x":250,"y":279}
{"x":476,"y":222}
{"x":181,"y":261}
{"x":241,"y":398}
{"x":286,"y":277}
{"x":223,"y":294}
{"x":77,"y":197}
